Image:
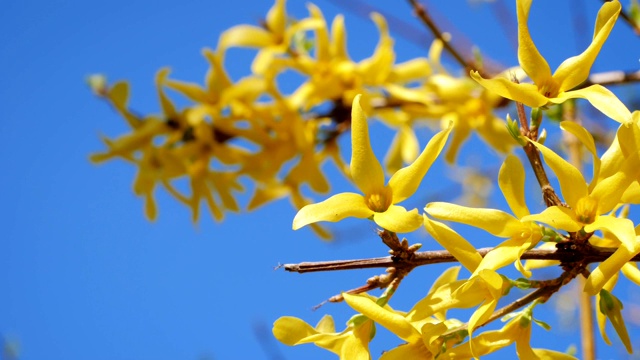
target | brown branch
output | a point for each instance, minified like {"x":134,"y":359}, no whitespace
{"x":421,"y":12}
{"x":549,"y":195}
{"x":588,"y":254}
{"x":611,"y":78}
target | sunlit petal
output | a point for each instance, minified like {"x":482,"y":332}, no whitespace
{"x":398,"y":219}
{"x":333,"y":209}
{"x":620,"y":227}
{"x":574,"y":70}
{"x":557,"y":216}
{"x":587,"y":140}
{"x":496,"y":222}
{"x":602,"y":99}
{"x":607,"y":269}
{"x":460,"y":248}
{"x":393,"y":322}
{"x":528,"y":55}
{"x":511,"y":181}
{"x":525,"y":93}
{"x":572,"y":183}
{"x":405,"y":181}
{"x":366,"y":170}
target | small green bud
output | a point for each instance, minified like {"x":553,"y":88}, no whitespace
{"x":514,"y":130}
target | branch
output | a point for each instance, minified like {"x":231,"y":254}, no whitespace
{"x":611,"y":78}
{"x":563,"y":254}
{"x":421,"y":12}
{"x":549,"y":195}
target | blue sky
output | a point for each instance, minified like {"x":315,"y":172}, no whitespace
{"x":85,"y":276}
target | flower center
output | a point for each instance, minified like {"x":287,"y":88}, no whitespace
{"x":586,"y":209}
{"x":549,"y":88}
{"x":379,"y":201}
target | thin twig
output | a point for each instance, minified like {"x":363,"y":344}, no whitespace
{"x":549,"y":195}
{"x":421,"y":12}
{"x":611,"y":78}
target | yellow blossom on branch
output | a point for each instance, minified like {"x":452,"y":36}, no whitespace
{"x":378,"y":201}
{"x":588,"y":205}
{"x":352,"y":343}
{"x":556,"y":88}
{"x":522,"y":235}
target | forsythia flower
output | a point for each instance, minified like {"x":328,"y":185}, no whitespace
{"x":517,"y":330}
{"x":484,"y":290}
{"x":588,"y":204}
{"x":556,"y":88}
{"x":422,"y":336}
{"x":378,"y":201}
{"x":522,"y":235}
{"x":352,"y":343}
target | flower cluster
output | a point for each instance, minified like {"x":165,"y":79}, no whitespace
{"x":248,"y":129}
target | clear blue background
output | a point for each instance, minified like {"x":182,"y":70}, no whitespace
{"x":83,"y":275}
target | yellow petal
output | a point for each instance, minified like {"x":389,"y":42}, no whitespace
{"x":609,"y":191}
{"x":460,"y":134}
{"x":600,"y":98}
{"x":557,"y":216}
{"x":528,"y":55}
{"x":403,"y":149}
{"x":244,"y":36}
{"x":511,"y":181}
{"x":496,"y":222}
{"x":586,"y":139}
{"x":405,"y":181}
{"x":607,"y":269}
{"x":326,"y":325}
{"x":277,"y":17}
{"x":575,"y":70}
{"x":631,"y":271}
{"x":460,"y":248}
{"x":407,"y":351}
{"x":572,"y":183}
{"x":620,"y":227}
{"x":366,"y":170}
{"x":448,"y":276}
{"x":410,"y":70}
{"x":291,"y":330}
{"x":525,"y":93}
{"x":321,"y":34}
{"x":338,"y":48}
{"x":398,"y":219}
{"x":393,"y":322}
{"x":376,"y":69}
{"x":333,"y":209}
{"x":506,"y":253}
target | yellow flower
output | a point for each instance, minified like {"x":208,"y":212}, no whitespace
{"x":522,"y":235}
{"x":589,"y":204}
{"x":483,"y":290}
{"x":352,"y":343}
{"x":518,"y":331}
{"x":274,"y":39}
{"x":556,"y":88}
{"x":378,"y":201}
{"x":421,"y":337}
